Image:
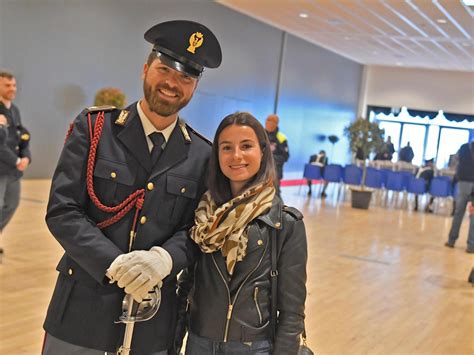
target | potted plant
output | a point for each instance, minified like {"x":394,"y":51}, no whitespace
{"x":365,"y":137}
{"x":110,"y":96}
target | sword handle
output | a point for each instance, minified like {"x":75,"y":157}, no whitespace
{"x":129,"y":324}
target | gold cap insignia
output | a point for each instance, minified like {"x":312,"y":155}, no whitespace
{"x":122,"y":118}
{"x":195,"y":41}
{"x":25,"y":137}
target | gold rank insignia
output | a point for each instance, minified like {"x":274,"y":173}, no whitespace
{"x":195,"y":41}
{"x":122,"y":118}
{"x":182,"y":126}
{"x":25,"y":137}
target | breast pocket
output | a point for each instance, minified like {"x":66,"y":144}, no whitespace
{"x":184,"y":191}
{"x":113,"y":181}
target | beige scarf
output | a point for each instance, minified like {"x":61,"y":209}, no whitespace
{"x":224,"y":228}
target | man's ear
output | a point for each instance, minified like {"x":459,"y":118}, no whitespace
{"x":145,"y":70}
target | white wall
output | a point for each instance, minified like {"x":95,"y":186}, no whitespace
{"x":431,"y":90}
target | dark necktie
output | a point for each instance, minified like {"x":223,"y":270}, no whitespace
{"x":158,"y":139}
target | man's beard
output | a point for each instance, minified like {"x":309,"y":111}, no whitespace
{"x":159,"y":106}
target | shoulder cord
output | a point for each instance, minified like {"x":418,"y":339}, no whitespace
{"x":274,"y":282}
{"x":135,"y":199}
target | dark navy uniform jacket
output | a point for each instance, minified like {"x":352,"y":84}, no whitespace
{"x":14,"y":142}
{"x":84,"y":305}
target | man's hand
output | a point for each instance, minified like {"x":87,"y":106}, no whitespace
{"x":3,"y":120}
{"x":470,"y":208}
{"x":139,"y":271}
{"x":23,"y":164}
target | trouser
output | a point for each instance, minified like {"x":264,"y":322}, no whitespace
{"x":279,"y":171}
{"x":9,"y":198}
{"x":55,"y":346}
{"x":465,"y":189}
{"x":197,"y":345}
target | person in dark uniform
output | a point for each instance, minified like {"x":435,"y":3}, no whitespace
{"x":279,"y":147}
{"x":406,"y":154}
{"x":426,"y":173}
{"x":122,"y":201}
{"x":320,"y":160}
{"x":15,"y":154}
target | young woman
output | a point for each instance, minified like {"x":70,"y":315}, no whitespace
{"x":229,"y":306}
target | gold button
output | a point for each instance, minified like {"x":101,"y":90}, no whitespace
{"x":259,"y":242}
{"x":113,"y":174}
{"x":70,"y":271}
{"x":143,"y":220}
{"x":150,"y":186}
{"x":277,"y":224}
{"x":183,"y":190}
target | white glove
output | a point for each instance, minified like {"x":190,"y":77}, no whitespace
{"x":140,"y":271}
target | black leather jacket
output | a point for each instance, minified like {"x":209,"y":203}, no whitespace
{"x":238,"y":308}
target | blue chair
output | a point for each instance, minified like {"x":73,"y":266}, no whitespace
{"x":406,"y":177}
{"x":384,"y":175}
{"x":333,"y":173}
{"x":394,"y":181}
{"x":440,"y":187}
{"x":416,"y":186}
{"x":373,"y":178}
{"x":352,"y":175}
{"x":312,"y":172}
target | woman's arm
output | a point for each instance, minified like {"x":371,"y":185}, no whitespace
{"x":291,"y":286}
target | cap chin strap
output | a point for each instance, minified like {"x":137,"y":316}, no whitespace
{"x":178,"y":63}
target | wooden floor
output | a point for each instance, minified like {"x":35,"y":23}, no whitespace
{"x":380,"y":281}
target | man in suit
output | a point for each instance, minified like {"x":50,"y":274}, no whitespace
{"x":15,"y":154}
{"x":123,"y":198}
{"x":278,"y":145}
{"x":320,"y":160}
{"x":465,"y":178}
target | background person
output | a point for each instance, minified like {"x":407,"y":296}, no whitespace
{"x":465,"y":177}
{"x":426,"y":172}
{"x":15,"y":154}
{"x":406,"y":154}
{"x":147,"y":155}
{"x":236,"y":220}
{"x":320,"y":160}
{"x":278,"y":146}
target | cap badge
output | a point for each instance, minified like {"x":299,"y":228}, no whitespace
{"x":25,"y":137}
{"x":195,"y":41}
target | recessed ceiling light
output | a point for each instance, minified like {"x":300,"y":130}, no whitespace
{"x":468,"y":2}
{"x":303,"y":15}
{"x":466,"y":44}
{"x":441,"y":20}
{"x":347,"y":38}
{"x":399,"y":64}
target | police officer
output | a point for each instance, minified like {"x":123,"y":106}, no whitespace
{"x":123,"y":198}
{"x":15,"y":154}
{"x":278,"y":145}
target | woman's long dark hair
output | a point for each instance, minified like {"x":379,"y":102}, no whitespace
{"x":218,"y":183}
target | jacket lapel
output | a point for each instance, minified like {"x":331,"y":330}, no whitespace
{"x":176,"y":150}
{"x":133,"y":137}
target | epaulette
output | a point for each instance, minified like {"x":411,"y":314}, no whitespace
{"x":198,"y":134}
{"x":294,"y":212}
{"x":93,"y":109}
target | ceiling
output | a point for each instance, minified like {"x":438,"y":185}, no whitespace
{"x":431,"y":34}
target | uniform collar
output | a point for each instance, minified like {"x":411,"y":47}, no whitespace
{"x":148,"y":127}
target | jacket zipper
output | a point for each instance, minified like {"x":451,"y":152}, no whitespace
{"x":231,"y":304}
{"x":255,"y":298}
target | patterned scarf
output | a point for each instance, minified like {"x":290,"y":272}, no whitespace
{"x":224,"y":228}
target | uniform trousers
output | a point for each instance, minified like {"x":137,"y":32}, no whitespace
{"x":465,"y":189}
{"x":197,"y":345}
{"x":9,"y":198}
{"x":55,"y":346}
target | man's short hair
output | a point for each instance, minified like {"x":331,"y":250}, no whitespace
{"x":6,"y":75}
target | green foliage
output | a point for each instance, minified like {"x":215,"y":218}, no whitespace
{"x":110,"y":96}
{"x":364,"y":135}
